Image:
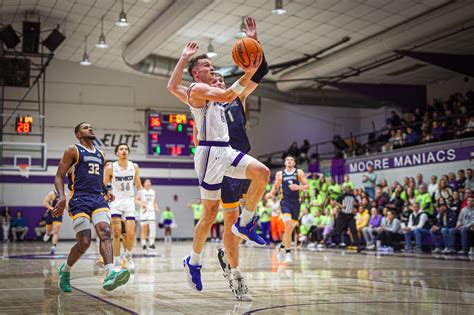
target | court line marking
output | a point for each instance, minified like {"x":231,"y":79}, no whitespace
{"x":105,"y":301}
{"x":355,"y":302}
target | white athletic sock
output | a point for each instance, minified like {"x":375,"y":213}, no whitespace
{"x":142,"y":242}
{"x":245,"y":217}
{"x":195,"y":258}
{"x":118,"y":259}
{"x":152,"y":237}
{"x":236,"y":272}
{"x":108,"y":268}
{"x":128,"y":253}
{"x":67,"y":268}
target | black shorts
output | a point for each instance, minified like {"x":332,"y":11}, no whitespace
{"x":232,"y":190}
{"x":291,"y":208}
{"x":50,"y":219}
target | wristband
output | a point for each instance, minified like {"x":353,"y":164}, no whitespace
{"x":237,"y":88}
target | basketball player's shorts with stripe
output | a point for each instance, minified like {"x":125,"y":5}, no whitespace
{"x":87,"y":208}
{"x":123,"y":208}
{"x":232,"y":191}
{"x":290,"y":210}
{"x":214,"y":160}
{"x":149,"y":216}
{"x":50,"y":219}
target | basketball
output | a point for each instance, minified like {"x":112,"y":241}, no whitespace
{"x":242,"y":50}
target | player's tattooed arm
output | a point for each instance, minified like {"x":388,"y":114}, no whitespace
{"x":69,"y":157}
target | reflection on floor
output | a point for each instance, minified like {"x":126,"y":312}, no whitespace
{"x":329,"y":282}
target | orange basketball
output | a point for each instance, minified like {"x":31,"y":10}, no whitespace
{"x":242,"y":50}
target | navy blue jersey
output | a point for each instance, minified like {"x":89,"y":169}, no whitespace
{"x":55,"y":200}
{"x":236,"y":121}
{"x":286,"y":180}
{"x":87,"y":173}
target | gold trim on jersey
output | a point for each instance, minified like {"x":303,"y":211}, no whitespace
{"x":72,"y":170}
{"x":100,"y":210}
{"x":229,"y":205}
{"x":80,"y":214}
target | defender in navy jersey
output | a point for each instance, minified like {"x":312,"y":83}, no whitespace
{"x":84,"y":165}
{"x":289,"y":182}
{"x":53,"y":224}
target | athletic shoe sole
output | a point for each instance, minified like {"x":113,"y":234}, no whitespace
{"x":121,"y":279}
{"x":188,"y":275}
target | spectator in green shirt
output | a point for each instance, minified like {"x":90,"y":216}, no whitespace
{"x":334,"y":189}
{"x":347,"y":182}
{"x":197,"y":210}
{"x":323,"y":186}
{"x":167,"y":219}
{"x":424,"y":199}
{"x":264,"y":212}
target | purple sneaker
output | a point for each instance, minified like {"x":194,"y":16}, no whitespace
{"x":194,"y":274}
{"x":248,"y":232}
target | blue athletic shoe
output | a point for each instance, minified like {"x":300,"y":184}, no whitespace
{"x":248,"y":232}
{"x":194,"y":274}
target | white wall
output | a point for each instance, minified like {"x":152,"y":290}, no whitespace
{"x":442,"y":89}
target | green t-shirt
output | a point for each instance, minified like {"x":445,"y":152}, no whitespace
{"x":318,"y":220}
{"x":167,"y":215}
{"x":324,"y":187}
{"x":197,"y":210}
{"x":326,"y":220}
{"x":424,"y":200}
{"x":317,"y":203}
{"x":334,"y":191}
{"x":264,"y":214}
{"x":347,"y":184}
{"x":313,"y":185}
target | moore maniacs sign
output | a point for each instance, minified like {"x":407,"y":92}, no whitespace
{"x":411,"y":159}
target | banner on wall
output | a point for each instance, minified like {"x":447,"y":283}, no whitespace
{"x":107,"y":140}
{"x":411,"y":159}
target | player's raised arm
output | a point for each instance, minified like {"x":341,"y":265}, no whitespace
{"x":175,"y":85}
{"x":262,"y":69}
{"x":68,"y":159}
{"x":202,"y":91}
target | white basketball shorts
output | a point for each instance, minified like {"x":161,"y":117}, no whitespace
{"x":123,"y":208}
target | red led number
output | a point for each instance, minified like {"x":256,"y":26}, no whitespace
{"x":155,"y":122}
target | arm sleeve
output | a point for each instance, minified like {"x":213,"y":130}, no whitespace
{"x":261,"y":71}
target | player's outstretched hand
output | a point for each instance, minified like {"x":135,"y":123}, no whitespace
{"x":190,"y":49}
{"x":294,"y":187}
{"x":251,"y":27}
{"x":58,"y":210}
{"x":110,"y":196}
{"x":255,"y":62}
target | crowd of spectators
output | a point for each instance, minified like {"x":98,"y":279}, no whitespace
{"x":15,"y":225}
{"x":411,"y":216}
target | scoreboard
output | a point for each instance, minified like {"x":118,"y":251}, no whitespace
{"x":169,"y":134}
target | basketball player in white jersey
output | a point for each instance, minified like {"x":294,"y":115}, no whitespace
{"x":123,"y":175}
{"x":146,"y":199}
{"x":214,"y":158}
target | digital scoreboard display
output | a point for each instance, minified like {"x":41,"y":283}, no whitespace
{"x":169,"y":134}
{"x":24,"y":124}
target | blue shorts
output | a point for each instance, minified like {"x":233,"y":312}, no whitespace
{"x":85,"y":205}
{"x":291,"y":208}
{"x":50,"y":219}
{"x":232,"y":190}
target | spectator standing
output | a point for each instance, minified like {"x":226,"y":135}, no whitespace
{"x":334,"y":189}
{"x":369,"y":180}
{"x":167,"y":219}
{"x":197,"y":208}
{"x":19,"y":226}
{"x":445,"y":220}
{"x":5,"y":218}
{"x":293,"y":150}
{"x":469,"y":182}
{"x":419,"y":180}
{"x":347,"y":182}
{"x":433,"y":186}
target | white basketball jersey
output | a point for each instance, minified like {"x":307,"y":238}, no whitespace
{"x":210,"y":122}
{"x":147,"y":197}
{"x":123,"y":180}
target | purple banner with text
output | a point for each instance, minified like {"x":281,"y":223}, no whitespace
{"x":411,"y":159}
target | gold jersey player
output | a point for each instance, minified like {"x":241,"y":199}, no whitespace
{"x":84,"y":165}
{"x":123,"y":175}
{"x":214,"y":157}
{"x":289,"y":182}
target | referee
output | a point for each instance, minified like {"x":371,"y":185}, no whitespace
{"x":345,"y":219}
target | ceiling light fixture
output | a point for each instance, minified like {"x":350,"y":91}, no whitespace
{"x":102,"y":43}
{"x":278,"y":8}
{"x":210,"y":50}
{"x":241,"y":33}
{"x":85,"y":58}
{"x":122,"y":21}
